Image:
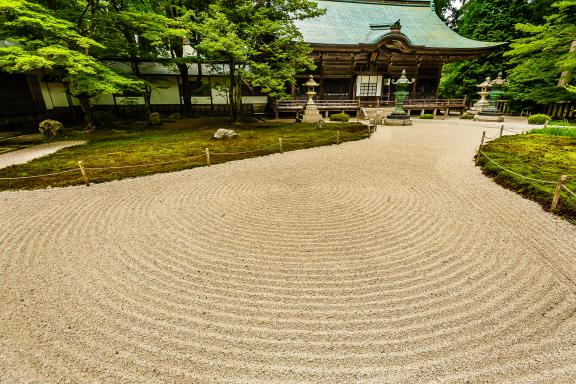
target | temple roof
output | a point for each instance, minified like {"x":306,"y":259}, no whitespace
{"x":365,"y":22}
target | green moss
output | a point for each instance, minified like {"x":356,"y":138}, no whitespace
{"x":537,"y":156}
{"x":133,"y":144}
{"x":426,"y":116}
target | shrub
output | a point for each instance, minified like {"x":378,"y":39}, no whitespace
{"x":539,"y":118}
{"x":467,"y":116}
{"x":155,"y":118}
{"x":426,"y":116}
{"x":343,"y":117}
{"x":51,"y":128}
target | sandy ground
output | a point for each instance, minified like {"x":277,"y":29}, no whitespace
{"x":390,"y":260}
{"x":25,"y":155}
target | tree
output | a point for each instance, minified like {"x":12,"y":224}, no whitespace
{"x":40,"y":40}
{"x":486,"y":20}
{"x":135,"y":30}
{"x":543,"y":60}
{"x":189,"y":12}
{"x":258,"y":43}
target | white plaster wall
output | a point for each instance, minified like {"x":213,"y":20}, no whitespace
{"x":165,"y":91}
{"x":46,"y":95}
{"x":56,"y":93}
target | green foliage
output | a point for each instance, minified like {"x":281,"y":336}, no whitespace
{"x":490,"y":20}
{"x":541,"y":56}
{"x":38,"y":39}
{"x":467,"y":116}
{"x":426,"y":116}
{"x":343,"y":117}
{"x":51,"y":128}
{"x":538,"y":118}
{"x":479,"y":20}
{"x":570,"y":132}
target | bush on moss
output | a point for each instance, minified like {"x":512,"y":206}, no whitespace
{"x":343,"y":117}
{"x":539,"y":118}
{"x":426,"y":116}
{"x":467,"y":116}
{"x":51,"y":128}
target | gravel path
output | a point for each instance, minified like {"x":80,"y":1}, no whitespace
{"x":22,"y":156}
{"x":390,"y":260}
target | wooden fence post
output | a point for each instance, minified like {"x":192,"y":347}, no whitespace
{"x":556,"y":198}
{"x":207,"y":157}
{"x":501,"y":130}
{"x":337,"y":137}
{"x":478,"y":154}
{"x":280,"y":142}
{"x":84,"y":174}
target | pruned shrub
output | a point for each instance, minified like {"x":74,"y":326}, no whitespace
{"x":427,"y":116}
{"x":51,"y":128}
{"x":467,"y":116}
{"x":343,"y":117}
{"x":538,"y":118}
{"x":155,"y":118}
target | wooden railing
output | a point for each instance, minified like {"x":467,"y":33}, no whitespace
{"x":320,"y":104}
{"x":434,"y":103}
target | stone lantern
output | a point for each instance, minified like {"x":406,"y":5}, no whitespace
{"x":483,"y":103}
{"x":494,"y":90}
{"x":399,"y":116}
{"x":311,"y":113}
{"x":311,"y":84}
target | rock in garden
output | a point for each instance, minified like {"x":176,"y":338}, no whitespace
{"x":155,"y":118}
{"x":225,"y":134}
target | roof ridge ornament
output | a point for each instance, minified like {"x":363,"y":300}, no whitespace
{"x":396,"y":26}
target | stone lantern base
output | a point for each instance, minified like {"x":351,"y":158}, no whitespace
{"x":398,"y":119}
{"x":489,"y":116}
{"x":311,"y":114}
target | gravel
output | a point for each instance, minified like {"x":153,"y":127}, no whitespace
{"x":388,"y":260}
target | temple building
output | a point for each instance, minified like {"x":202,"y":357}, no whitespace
{"x":359,"y":45}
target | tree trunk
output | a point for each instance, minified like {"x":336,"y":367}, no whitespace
{"x":147,"y":95}
{"x":88,"y":109}
{"x":232,"y":93}
{"x":147,"y":101}
{"x":186,"y":92}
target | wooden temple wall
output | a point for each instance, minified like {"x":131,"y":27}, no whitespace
{"x":338,"y":75}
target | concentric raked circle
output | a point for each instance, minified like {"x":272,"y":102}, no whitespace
{"x":386,"y":260}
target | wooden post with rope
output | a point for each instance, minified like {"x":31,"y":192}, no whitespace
{"x":480,"y":148}
{"x":207,"y":157}
{"x":501,"y":130}
{"x":337,"y":137}
{"x":556,"y":198}
{"x":84,"y":174}
{"x":280,"y":143}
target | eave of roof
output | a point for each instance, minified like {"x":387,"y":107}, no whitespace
{"x":362,"y":23}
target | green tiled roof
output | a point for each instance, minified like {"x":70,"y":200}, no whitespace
{"x":354,"y":22}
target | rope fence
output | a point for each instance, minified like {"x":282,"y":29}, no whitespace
{"x":208,"y":155}
{"x":560,"y":184}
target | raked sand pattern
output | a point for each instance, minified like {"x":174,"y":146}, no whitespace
{"x":389,"y":260}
